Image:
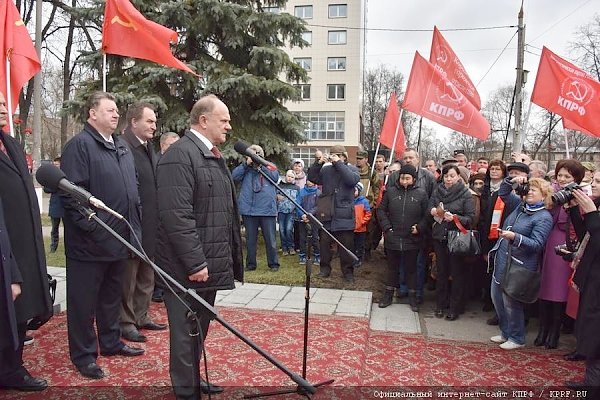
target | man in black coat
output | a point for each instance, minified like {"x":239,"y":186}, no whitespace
{"x":100,"y":162}
{"x":27,"y":269}
{"x":199,"y":241}
{"x":138,"y":281}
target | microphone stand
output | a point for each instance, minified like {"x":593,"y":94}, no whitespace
{"x":303,"y":384}
{"x":311,"y":224}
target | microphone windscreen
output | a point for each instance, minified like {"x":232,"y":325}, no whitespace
{"x":49,"y":176}
{"x":241,"y":147}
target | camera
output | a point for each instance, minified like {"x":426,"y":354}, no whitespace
{"x":564,"y":195}
{"x":521,"y":189}
{"x":563,"y":251}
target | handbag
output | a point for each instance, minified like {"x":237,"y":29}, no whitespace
{"x":37,"y":322}
{"x":520,"y":283}
{"x":464,"y":242}
{"x":325,"y":207}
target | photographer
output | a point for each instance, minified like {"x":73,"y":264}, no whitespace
{"x":555,"y":270}
{"x":526,"y":229}
{"x":587,"y":281}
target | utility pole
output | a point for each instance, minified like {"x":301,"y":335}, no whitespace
{"x":37,"y":92}
{"x":518,"y":138}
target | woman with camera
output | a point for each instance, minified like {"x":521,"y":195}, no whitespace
{"x":451,"y":199}
{"x":587,"y":282}
{"x":555,"y":270}
{"x":525,"y":229}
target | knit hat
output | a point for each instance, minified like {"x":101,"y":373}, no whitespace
{"x":449,"y":161}
{"x":360,"y":187}
{"x":298,"y":161}
{"x":476,"y":176}
{"x":409,"y":170}
{"x":464,"y":174}
{"x":338,"y":149}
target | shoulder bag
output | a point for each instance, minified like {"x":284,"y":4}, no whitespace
{"x":464,"y":241}
{"x":520,"y":283}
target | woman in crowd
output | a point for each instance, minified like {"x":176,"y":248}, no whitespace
{"x":450,"y":199}
{"x":587,"y":281}
{"x":525,"y":229}
{"x":555,"y":270}
{"x":402,"y":216}
{"x":492,"y":217}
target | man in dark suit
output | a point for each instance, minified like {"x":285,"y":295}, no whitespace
{"x":199,"y":240}
{"x":100,"y":162}
{"x":138,"y":280}
{"x":24,"y":284}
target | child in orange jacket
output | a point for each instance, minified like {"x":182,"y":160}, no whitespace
{"x":362,"y":216}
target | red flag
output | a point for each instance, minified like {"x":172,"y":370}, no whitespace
{"x":568,"y":91}
{"x":392,"y":127}
{"x":18,"y":48}
{"x":126,"y":32}
{"x":574,"y":127}
{"x":432,"y":96}
{"x":447,"y":63}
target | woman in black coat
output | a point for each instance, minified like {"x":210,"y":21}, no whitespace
{"x":587,"y":281}
{"x":402,"y":216}
{"x":451,"y":198}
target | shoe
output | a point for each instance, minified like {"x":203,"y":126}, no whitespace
{"x":349,"y":278}
{"x":209,"y":388}
{"x":28,"y":340}
{"x":302,"y":260}
{"x":451,"y":317}
{"x":439,"y":313}
{"x":134,"y":336}
{"x":126,"y":351}
{"x":317,"y":260}
{"x":498,"y":339}
{"x":542,"y":335}
{"x":323,"y":274}
{"x":292,"y":252}
{"x":274,"y":268}
{"x":493,"y":320}
{"x":388,"y":298}
{"x":510,"y":345}
{"x":25,"y":383}
{"x":285,"y":253}
{"x":92,"y":370}
{"x":574,"y":356}
{"x":552,"y":342}
{"x":250,"y":267}
{"x":153,"y":326}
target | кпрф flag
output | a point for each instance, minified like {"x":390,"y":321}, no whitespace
{"x":568,"y":91}
{"x":126,"y":32}
{"x":434,"y":97}
{"x":18,"y":48}
{"x":443,"y":58}
{"x":392,"y":130}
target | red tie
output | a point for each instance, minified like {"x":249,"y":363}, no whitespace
{"x":216,"y":152}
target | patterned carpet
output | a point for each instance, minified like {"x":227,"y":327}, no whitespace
{"x":360,"y":360}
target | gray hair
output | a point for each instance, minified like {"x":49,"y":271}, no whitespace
{"x":167,"y":135}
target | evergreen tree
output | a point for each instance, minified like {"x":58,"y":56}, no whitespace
{"x":237,"y":49}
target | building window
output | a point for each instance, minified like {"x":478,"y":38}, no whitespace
{"x":304,"y":91}
{"x":307,"y":37}
{"x":272,"y":10}
{"x":336,"y":37}
{"x":338,"y":10}
{"x":304,"y":62}
{"x":336,"y":63}
{"x":304,"y":12}
{"x":336,"y":92}
{"x":323,"y":125}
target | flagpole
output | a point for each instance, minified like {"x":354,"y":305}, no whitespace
{"x":104,"y":72}
{"x":11,"y":129}
{"x":524,"y":126}
{"x":567,"y":144}
{"x":396,"y":136}
{"x":373,"y":167}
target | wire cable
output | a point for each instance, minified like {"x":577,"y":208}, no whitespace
{"x":481,"y":28}
{"x":497,"y":58}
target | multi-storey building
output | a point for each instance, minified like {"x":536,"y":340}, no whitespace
{"x":331,"y":99}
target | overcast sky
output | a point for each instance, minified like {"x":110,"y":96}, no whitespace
{"x":549,"y":23}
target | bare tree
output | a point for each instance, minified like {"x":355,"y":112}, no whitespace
{"x":586,"y":47}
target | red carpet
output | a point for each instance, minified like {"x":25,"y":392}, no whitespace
{"x":345,"y":349}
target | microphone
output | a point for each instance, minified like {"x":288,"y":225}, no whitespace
{"x":55,"y":179}
{"x":244,"y":149}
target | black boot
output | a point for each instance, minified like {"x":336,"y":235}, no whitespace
{"x":412,"y":300}
{"x":388,"y":297}
{"x":542,"y":336}
{"x":554,"y":332}
{"x":544,"y":313}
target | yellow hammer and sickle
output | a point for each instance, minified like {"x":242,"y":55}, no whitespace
{"x":126,"y":24}
{"x":19,"y":22}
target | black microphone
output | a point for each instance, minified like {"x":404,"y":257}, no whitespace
{"x":244,"y":149}
{"x":55,"y":179}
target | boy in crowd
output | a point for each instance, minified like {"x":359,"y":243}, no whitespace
{"x":307,"y":198}
{"x":362,"y":213}
{"x":285,"y":213}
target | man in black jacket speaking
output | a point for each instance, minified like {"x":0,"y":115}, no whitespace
{"x":199,"y":242}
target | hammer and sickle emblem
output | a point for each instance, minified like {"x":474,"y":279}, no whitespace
{"x":578,"y":91}
{"x":453,"y":94}
{"x":127,"y":24}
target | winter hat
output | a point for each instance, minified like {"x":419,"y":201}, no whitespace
{"x":464,"y":174}
{"x":298,"y":161}
{"x":360,"y":187}
{"x":518,"y":166}
{"x":408,"y":169}
{"x":338,"y":149}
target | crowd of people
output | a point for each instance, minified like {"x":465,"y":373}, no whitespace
{"x":188,"y":209}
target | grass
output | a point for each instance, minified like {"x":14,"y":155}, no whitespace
{"x":56,"y":259}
